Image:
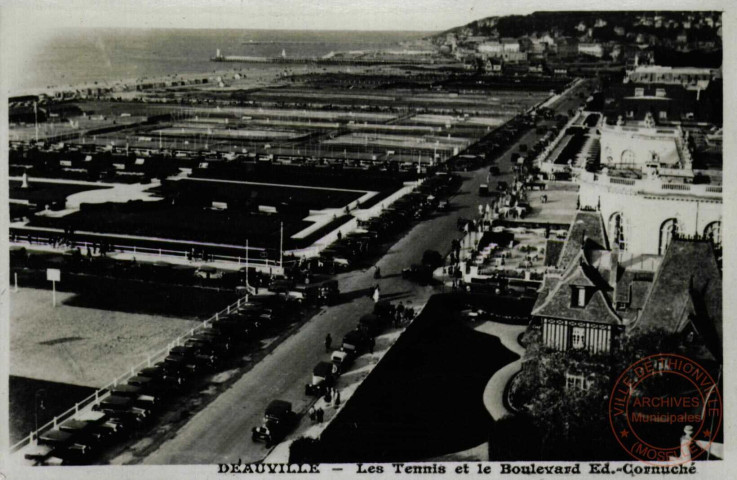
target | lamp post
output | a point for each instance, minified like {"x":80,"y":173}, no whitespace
{"x":35,"y":409}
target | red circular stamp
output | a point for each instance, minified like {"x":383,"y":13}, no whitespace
{"x":665,"y":409}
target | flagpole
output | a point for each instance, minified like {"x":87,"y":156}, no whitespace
{"x":247,"y":284}
{"x":35,"y":118}
{"x":281,"y":245}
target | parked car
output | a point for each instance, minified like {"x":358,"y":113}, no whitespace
{"x":371,"y":324}
{"x":278,"y":420}
{"x":342,"y":360}
{"x":207,"y":272}
{"x":323,"y":376}
{"x":140,"y":398}
{"x":123,"y":408}
{"x":417,"y":273}
{"x":355,"y":342}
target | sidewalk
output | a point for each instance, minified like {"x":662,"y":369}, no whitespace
{"x":347,"y":385}
{"x":494,"y":391}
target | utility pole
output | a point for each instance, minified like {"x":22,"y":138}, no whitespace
{"x":247,"y":284}
{"x":35,"y":118}
{"x":281,"y":245}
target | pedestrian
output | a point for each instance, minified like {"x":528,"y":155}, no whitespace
{"x":377,"y":294}
{"x":328,"y":342}
{"x":313,"y":414}
{"x":337,"y":399}
{"x":320,"y":413}
{"x":372,"y":344}
{"x":328,"y":396}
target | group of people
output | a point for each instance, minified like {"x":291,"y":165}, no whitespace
{"x":317,"y":415}
{"x":332,"y":396}
{"x":402,"y":314}
{"x":199,"y":254}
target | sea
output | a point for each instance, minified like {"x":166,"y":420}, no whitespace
{"x":72,"y":57}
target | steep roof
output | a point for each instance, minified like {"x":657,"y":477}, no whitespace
{"x":557,"y":302}
{"x":588,"y":226}
{"x":687,"y":290}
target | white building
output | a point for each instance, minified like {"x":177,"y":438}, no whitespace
{"x":636,"y":147}
{"x":491,"y":48}
{"x":689,"y":77}
{"x":640,"y":215}
{"x":592,"y":49}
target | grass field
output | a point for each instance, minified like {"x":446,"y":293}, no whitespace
{"x":425,"y":397}
{"x":29,"y":397}
{"x":40,"y":192}
{"x":81,"y":346}
{"x":185,"y":213}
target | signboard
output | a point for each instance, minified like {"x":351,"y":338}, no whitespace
{"x":53,"y":274}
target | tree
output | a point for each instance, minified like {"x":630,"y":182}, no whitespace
{"x":432,"y":259}
{"x":304,"y":450}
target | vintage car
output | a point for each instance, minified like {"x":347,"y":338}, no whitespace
{"x":342,"y":360}
{"x":323,"y":376}
{"x":319,"y":293}
{"x":417,"y":273}
{"x":355,"y":342}
{"x":278,"y":420}
{"x":122,"y":408}
{"x":371,"y":324}
{"x":206,"y":272}
{"x":140,"y":398}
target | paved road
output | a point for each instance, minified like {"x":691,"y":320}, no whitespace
{"x":221,"y":431}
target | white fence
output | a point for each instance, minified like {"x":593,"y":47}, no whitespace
{"x":254,"y":260}
{"x":103,"y":392}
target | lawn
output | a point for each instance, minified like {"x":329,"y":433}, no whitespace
{"x":45,"y":192}
{"x":425,"y":397}
{"x":186,"y":214}
{"x":29,"y":397}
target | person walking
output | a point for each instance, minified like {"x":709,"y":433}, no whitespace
{"x":400,"y":313}
{"x":328,"y":342}
{"x":372,"y":344}
{"x":337,"y":399}
{"x":320,"y":413}
{"x":313,"y":414}
{"x":377,"y":294}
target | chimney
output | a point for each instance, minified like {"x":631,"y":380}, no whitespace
{"x":614,"y":268}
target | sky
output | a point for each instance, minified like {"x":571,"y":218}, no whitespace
{"x":421,"y":15}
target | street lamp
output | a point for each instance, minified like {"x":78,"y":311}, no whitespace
{"x":35,"y":408}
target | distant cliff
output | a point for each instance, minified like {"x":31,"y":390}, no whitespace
{"x":668,"y":27}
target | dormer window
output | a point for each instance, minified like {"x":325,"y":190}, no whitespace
{"x":578,"y":299}
{"x":581,"y":300}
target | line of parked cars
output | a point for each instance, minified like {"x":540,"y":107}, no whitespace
{"x":132,"y":406}
{"x":345,"y":252}
{"x":279,"y":418}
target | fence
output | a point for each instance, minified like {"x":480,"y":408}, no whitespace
{"x":38,"y":237}
{"x":103,"y":392}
